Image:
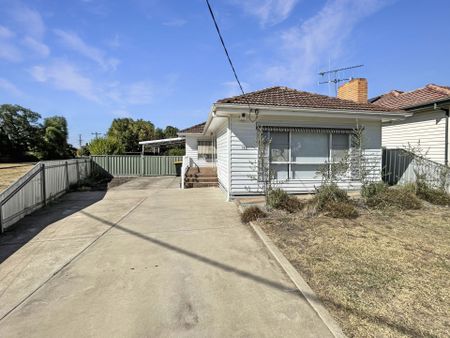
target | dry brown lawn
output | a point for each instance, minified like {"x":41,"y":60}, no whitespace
{"x":10,"y":172}
{"x":384,"y":274}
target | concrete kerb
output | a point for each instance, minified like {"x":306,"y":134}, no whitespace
{"x":298,"y":281}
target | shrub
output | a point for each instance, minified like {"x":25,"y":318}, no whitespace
{"x":105,"y":146}
{"x":276,"y":197}
{"x":432,"y":195}
{"x":176,"y":152}
{"x":252,"y":214}
{"x":400,"y":198}
{"x":341,"y":210}
{"x":279,"y":199}
{"x":372,"y":189}
{"x":291,"y":205}
{"x":327,"y":194}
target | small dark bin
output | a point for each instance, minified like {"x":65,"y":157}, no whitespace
{"x":178,"y":165}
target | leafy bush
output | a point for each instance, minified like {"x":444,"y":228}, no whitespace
{"x":341,"y":210}
{"x":432,"y":195}
{"x":105,"y":146}
{"x":372,"y":189}
{"x":400,"y":198}
{"x":276,"y":197}
{"x":176,"y":152}
{"x":329,"y":193}
{"x":279,"y":199}
{"x":252,"y":214}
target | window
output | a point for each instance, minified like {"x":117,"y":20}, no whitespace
{"x":299,"y":155}
{"x":339,"y":146}
{"x":205,"y":150}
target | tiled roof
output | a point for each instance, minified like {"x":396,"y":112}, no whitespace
{"x":398,"y":100}
{"x":287,"y":97}
{"x":197,"y":129}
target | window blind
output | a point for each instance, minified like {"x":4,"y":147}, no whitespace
{"x":308,"y":130}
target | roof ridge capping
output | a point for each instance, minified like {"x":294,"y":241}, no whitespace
{"x":439,"y":88}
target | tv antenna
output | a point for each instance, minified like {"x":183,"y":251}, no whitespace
{"x":333,"y":76}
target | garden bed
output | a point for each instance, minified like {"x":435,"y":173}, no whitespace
{"x":385,"y":273}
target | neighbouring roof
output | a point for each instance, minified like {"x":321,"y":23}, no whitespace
{"x":197,"y":129}
{"x":397,"y":99}
{"x":287,"y":97}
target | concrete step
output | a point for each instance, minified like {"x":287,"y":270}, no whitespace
{"x":200,"y":184}
{"x":201,"y":176}
{"x":201,"y":179}
{"x":201,"y":172}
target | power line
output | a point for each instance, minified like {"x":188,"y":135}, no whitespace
{"x":224,"y":47}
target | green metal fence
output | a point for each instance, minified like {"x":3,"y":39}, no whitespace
{"x":135,"y":165}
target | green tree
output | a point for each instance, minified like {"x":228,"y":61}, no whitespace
{"x":83,"y":151}
{"x":19,"y":131}
{"x":105,"y":146}
{"x":170,"y":132}
{"x":159,"y":134}
{"x":54,"y":139}
{"x":129,"y":132}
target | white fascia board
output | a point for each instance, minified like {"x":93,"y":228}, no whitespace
{"x":190,"y":134}
{"x":163,"y":140}
{"x":211,"y":115}
{"x":235,"y":109}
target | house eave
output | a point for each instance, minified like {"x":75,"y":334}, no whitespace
{"x":233,"y":109}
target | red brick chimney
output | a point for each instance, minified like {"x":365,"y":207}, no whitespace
{"x":354,"y":90}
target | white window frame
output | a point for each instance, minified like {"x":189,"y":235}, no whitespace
{"x":290,"y":162}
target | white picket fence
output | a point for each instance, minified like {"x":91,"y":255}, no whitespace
{"x":44,"y":182}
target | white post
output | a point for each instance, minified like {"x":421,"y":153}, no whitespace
{"x":184,"y":166}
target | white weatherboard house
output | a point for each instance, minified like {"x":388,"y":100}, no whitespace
{"x":306,"y":131}
{"x":428,"y":124}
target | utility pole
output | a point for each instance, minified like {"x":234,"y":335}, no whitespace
{"x":80,"y":140}
{"x":96,"y":134}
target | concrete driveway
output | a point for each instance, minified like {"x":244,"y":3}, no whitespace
{"x":145,"y":259}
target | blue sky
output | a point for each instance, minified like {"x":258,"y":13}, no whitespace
{"x":160,"y":60}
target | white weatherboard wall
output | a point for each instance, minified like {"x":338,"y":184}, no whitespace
{"x":244,"y":153}
{"x":223,"y":156}
{"x":427,"y":128}
{"x":192,"y":150}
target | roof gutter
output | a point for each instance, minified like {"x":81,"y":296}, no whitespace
{"x":235,"y":109}
{"x":210,"y":117}
{"x":428,"y":105}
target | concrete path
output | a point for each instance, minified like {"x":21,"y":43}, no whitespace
{"x":146,"y":259}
